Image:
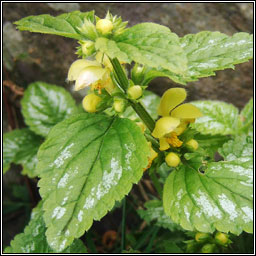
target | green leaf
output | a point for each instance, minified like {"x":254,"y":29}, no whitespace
{"x":20,"y":147}
{"x":220,"y":198}
{"x":218,"y":118}
{"x":155,"y":211}
{"x":211,"y":144}
{"x":208,"y":52}
{"x":240,"y":147}
{"x":66,"y":24}
{"x":86,"y":171}
{"x":33,"y":239}
{"x":111,"y":48}
{"x":149,"y":44}
{"x":44,"y":105}
{"x":152,"y":73}
{"x":245,"y":119}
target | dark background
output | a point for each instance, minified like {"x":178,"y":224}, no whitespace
{"x":30,"y":57}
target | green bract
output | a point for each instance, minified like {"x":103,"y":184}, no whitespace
{"x":84,"y":172}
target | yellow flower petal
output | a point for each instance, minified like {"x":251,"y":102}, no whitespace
{"x":189,"y":120}
{"x":88,"y":76}
{"x":164,"y":145}
{"x":181,"y":128}
{"x":170,"y":99}
{"x":173,"y":140}
{"x":103,"y":58}
{"x":165,"y":125}
{"x":186,"y":110}
{"x":78,"y":65}
{"x":153,"y":155}
{"x":107,"y":83}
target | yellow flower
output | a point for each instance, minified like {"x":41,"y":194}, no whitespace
{"x":90,"y":73}
{"x":175,"y":117}
{"x":103,"y":58}
{"x":153,"y":155}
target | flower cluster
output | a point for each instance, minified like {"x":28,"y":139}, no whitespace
{"x":174,"y":121}
{"x":91,"y":73}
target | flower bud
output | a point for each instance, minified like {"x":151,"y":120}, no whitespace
{"x":134,"y":92}
{"x":104,"y":26}
{"x":172,"y":159}
{"x":119,"y":105}
{"x":201,"y":237}
{"x":208,"y":248}
{"x":88,"y":48}
{"x":192,"y":144}
{"x":221,"y":238}
{"x":137,"y":74}
{"x":90,"y":102}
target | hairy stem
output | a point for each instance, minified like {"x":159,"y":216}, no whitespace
{"x":137,"y":107}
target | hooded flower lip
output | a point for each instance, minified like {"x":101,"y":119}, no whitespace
{"x":86,"y":73}
{"x":175,"y":118}
{"x":170,"y":99}
{"x":165,"y":125}
{"x":88,"y":76}
{"x":78,"y":65}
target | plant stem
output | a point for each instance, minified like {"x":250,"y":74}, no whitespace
{"x":144,"y":238}
{"x":123,"y":225}
{"x":151,"y":242}
{"x":154,"y":142}
{"x":137,"y":107}
{"x":143,"y":114}
{"x":156,"y":183}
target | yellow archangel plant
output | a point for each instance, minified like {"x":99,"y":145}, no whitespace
{"x":175,"y":118}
